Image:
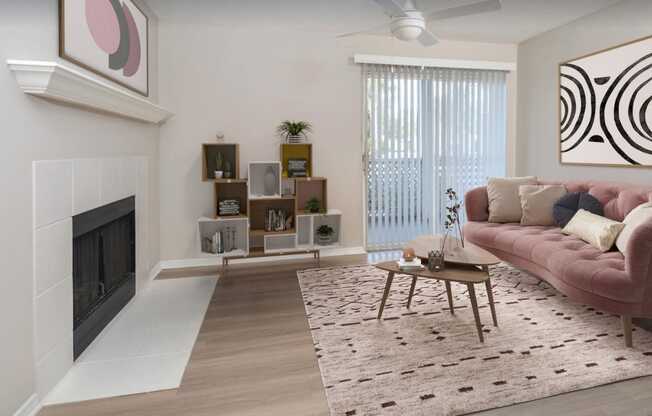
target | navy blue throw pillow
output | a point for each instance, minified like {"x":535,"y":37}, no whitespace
{"x":564,"y":209}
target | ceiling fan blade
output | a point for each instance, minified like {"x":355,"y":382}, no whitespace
{"x":475,"y":8}
{"x":384,"y":28}
{"x":392,"y":7}
{"x":426,"y":38}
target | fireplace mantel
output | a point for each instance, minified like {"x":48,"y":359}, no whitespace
{"x":60,"y":83}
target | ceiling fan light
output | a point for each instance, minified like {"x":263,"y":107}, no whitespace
{"x":408,"y":28}
{"x":407,"y":33}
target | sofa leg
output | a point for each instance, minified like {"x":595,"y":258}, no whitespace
{"x":627,"y":330}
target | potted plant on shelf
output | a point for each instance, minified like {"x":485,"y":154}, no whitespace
{"x":324,"y":234}
{"x":313,"y":205}
{"x":294,"y":131}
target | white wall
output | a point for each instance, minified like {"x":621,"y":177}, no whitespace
{"x":538,"y":60}
{"x":244,"y":81}
{"x":33,"y":129}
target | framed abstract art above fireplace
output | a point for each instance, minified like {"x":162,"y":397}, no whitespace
{"x":108,"y":38}
{"x":605,"y":116}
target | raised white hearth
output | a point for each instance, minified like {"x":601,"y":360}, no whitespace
{"x":57,"y":82}
{"x":147,"y":346}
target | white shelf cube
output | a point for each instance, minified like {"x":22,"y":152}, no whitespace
{"x":332,"y":218}
{"x":258,"y":172}
{"x":279,"y":243}
{"x":304,"y":231}
{"x":209,"y":226}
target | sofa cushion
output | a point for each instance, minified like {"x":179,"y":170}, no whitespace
{"x":504,"y":202}
{"x":567,"y":206}
{"x":537,"y":202}
{"x":598,"y":231}
{"x":639,"y":215}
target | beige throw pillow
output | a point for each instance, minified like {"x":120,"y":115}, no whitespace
{"x":636,"y":217}
{"x":504,"y":202}
{"x":598,"y":231}
{"x":537,"y":202}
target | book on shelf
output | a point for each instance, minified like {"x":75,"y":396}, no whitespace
{"x":413,"y":265}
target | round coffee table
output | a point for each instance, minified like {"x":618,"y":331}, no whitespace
{"x":468,"y":265}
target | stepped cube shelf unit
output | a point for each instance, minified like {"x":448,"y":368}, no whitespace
{"x":269,"y":186}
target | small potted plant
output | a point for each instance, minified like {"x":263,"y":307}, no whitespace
{"x":313,"y":205}
{"x":324,"y":234}
{"x":294,"y":131}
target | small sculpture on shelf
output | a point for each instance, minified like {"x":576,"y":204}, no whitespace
{"x":325,"y":234}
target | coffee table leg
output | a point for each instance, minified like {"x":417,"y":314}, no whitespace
{"x":476,"y":312}
{"x":490,"y":295}
{"x":414,"y":283}
{"x":449,"y":293}
{"x":388,"y":285}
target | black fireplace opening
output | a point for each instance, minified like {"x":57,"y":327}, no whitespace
{"x":104,"y":268}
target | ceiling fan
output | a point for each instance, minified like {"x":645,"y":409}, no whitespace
{"x":408,"y":23}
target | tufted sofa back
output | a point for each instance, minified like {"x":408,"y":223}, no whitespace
{"x":618,"y":199}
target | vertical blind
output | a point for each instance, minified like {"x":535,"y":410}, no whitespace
{"x":426,"y":130}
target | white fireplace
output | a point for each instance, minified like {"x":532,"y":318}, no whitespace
{"x":62,"y":189}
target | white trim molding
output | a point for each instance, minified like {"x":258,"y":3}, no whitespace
{"x":217,"y":260}
{"x":31,"y":407}
{"x":57,"y":82}
{"x":434,"y":62}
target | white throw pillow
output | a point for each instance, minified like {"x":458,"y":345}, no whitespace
{"x":636,"y":217}
{"x":537,"y":202}
{"x":598,"y":231}
{"x":504,"y":201}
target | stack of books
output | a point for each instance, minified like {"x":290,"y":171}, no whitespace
{"x":410,"y":266}
{"x":297,"y":168}
{"x":229,"y":207}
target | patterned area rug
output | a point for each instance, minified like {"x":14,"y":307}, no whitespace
{"x":426,"y":361}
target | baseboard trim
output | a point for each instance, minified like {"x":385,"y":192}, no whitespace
{"x":217,"y":261}
{"x":154,"y":271}
{"x":30,"y":408}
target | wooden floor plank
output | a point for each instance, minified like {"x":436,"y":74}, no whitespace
{"x":254,"y":356}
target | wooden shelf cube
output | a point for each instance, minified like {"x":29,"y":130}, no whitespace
{"x":230,"y":153}
{"x":301,"y":151}
{"x":308,"y":188}
{"x":258,"y":211}
{"x":226,"y":189}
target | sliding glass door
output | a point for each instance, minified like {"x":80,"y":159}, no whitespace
{"x":427,"y":129}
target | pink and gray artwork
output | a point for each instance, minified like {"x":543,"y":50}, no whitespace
{"x":108,"y":37}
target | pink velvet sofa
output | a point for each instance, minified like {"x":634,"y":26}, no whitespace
{"x":613,"y":282}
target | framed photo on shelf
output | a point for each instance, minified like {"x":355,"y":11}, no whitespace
{"x":108,"y":38}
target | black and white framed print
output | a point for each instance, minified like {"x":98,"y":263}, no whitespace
{"x":605,"y":115}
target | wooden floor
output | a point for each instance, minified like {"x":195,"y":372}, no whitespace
{"x":254,"y":356}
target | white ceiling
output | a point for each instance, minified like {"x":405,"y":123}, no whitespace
{"x":517,"y":21}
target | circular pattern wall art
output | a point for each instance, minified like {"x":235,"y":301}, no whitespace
{"x":605,"y":114}
{"x":108,"y":37}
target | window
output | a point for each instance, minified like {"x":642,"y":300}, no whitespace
{"x":427,"y":129}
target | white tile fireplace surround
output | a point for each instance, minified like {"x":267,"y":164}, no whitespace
{"x":62,"y":189}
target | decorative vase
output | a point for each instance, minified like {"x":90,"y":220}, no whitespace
{"x":270,"y":181}
{"x":323,"y":240}
{"x":436,"y":261}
